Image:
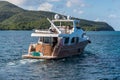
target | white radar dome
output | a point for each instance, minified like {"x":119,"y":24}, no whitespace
{"x":56,"y":16}
{"x":68,"y":17}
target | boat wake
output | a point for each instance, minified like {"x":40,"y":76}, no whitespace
{"x":23,"y":62}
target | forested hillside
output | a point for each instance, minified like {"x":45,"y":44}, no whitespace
{"x":13,"y":17}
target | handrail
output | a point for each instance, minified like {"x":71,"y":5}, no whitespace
{"x":54,"y":26}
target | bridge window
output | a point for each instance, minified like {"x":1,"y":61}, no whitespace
{"x":45,"y":39}
{"x":66,"y":40}
{"x":75,"y":40}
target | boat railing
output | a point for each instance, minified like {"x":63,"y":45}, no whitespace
{"x":52,"y":25}
{"x":65,"y":29}
{"x":44,"y":31}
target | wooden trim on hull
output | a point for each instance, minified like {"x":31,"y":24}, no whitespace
{"x":70,"y":50}
{"x":62,"y":51}
{"x":46,"y":57}
{"x":38,"y":57}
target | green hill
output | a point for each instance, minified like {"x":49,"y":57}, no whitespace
{"x":14,"y":18}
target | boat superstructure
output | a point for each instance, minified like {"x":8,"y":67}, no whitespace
{"x":64,"y":38}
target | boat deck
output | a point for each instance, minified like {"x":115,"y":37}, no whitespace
{"x":38,"y":57}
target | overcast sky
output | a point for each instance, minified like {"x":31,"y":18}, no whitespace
{"x":96,"y":10}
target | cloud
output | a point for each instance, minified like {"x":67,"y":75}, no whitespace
{"x":68,"y":4}
{"x":26,"y":3}
{"x":112,"y":16}
{"x":32,"y":4}
{"x":31,"y":8}
{"x":78,"y":3}
{"x":53,"y":0}
{"x":100,"y":20}
{"x":45,"y":7}
{"x":80,"y":12}
{"x":17,"y":2}
{"x":97,"y":19}
{"x":75,"y":10}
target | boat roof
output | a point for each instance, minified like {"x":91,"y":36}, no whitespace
{"x":65,"y":20}
{"x":57,"y":33}
{"x":44,"y":35}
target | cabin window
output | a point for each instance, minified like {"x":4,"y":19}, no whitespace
{"x":78,"y":27}
{"x":40,"y":39}
{"x":63,"y":24}
{"x":75,"y":40}
{"x":79,"y":50}
{"x":55,"y":41}
{"x":66,"y":40}
{"x":77,"y":24}
{"x":45,"y":39}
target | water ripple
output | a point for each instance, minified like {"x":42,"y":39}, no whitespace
{"x":99,"y":61}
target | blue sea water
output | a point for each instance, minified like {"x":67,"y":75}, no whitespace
{"x":99,"y":61}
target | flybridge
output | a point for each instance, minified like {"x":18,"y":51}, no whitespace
{"x":58,"y":28}
{"x":52,"y":25}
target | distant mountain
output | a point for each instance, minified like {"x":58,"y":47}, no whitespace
{"x":13,"y":17}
